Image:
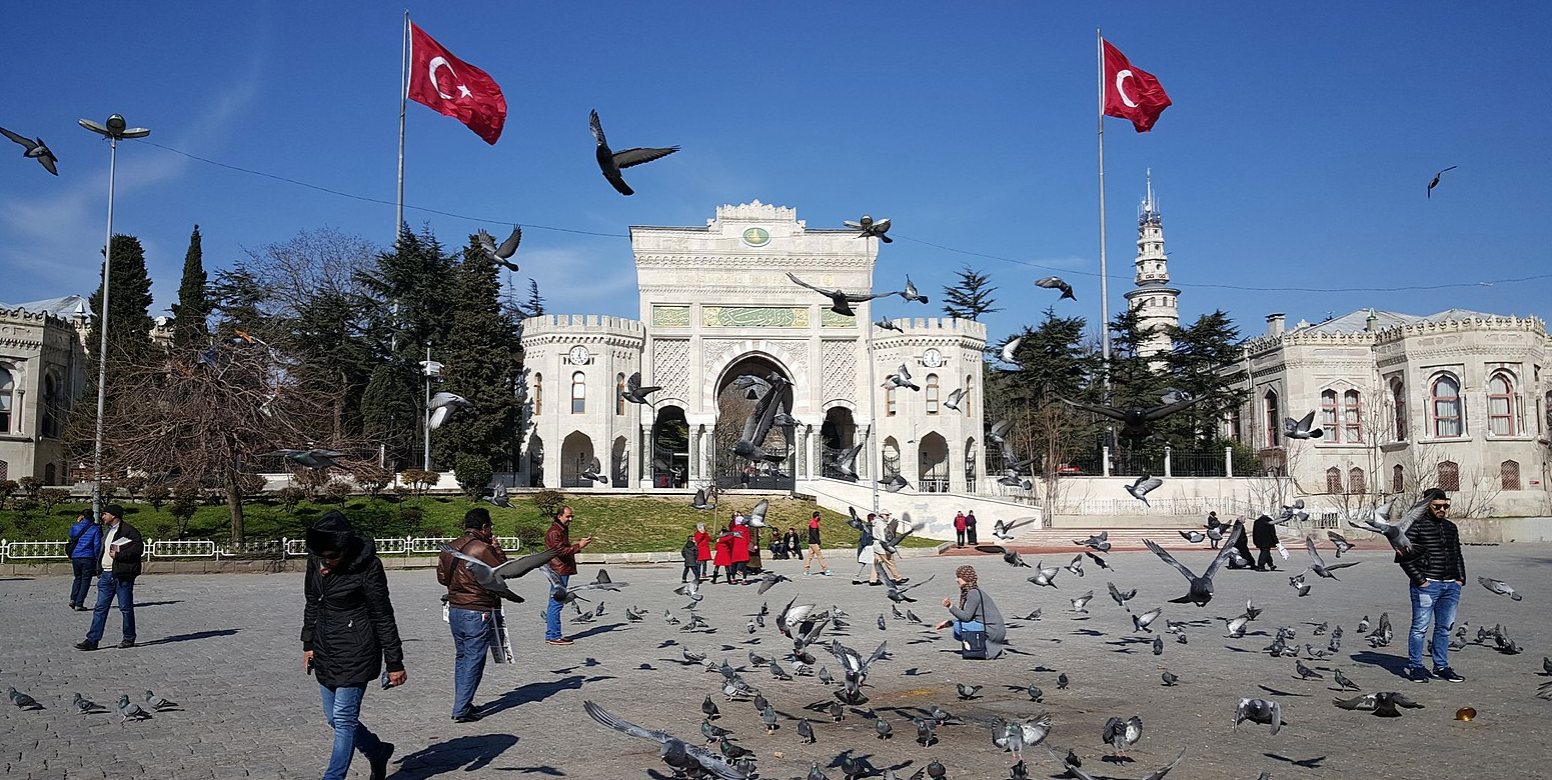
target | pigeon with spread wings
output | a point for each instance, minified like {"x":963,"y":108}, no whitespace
{"x":1201,"y":590}
{"x":494,"y":578}
{"x":39,"y":151}
{"x":684,"y":758}
{"x":500,"y":255}
{"x":610,"y":162}
{"x":870,"y":227}
{"x":840,"y":300}
{"x":634,"y":392}
{"x":1134,"y":420}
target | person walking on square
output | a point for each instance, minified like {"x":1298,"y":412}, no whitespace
{"x":118,"y":551}
{"x":688,"y":553}
{"x":85,"y":558}
{"x":1437,"y":570}
{"x":470,"y":609}
{"x":348,"y":636}
{"x":884,"y":527}
{"x":970,"y":528}
{"x":959,"y":530}
{"x":702,"y":550}
{"x":815,"y":555}
{"x":865,"y":553}
{"x":1214,"y":522}
{"x":740,"y":557}
{"x":564,"y":564}
{"x":1264,"y":534}
{"x":722,"y":562}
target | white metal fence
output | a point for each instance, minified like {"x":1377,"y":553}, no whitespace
{"x":209,"y":548}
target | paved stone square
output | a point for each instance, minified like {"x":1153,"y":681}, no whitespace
{"x":226,"y":648}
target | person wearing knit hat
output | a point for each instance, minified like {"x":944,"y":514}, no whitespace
{"x":975,"y":612}
{"x":348,"y":636}
{"x":119,"y":550}
{"x":471,"y":609}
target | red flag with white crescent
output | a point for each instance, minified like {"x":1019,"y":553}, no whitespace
{"x":1130,"y":92}
{"x":455,"y":88}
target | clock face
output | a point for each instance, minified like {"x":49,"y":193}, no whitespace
{"x":580,"y":355}
{"x":932,"y":358}
{"x":757,"y":236}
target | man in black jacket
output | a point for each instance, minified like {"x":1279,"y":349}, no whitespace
{"x":119,"y":551}
{"x":1437,"y":571}
{"x":1264,"y":534}
{"x":348,"y":635}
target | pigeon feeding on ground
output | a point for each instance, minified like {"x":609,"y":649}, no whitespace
{"x":1057,"y":283}
{"x":501,"y":255}
{"x":1201,"y":590}
{"x":611,"y":162}
{"x":37,"y":150}
{"x":868,"y":227}
{"x":1500,"y":587}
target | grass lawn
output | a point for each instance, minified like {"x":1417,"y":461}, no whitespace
{"x":623,"y":524}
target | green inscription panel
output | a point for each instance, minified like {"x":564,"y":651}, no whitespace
{"x":671,"y":316}
{"x":753,"y":317}
{"x":829,"y":319}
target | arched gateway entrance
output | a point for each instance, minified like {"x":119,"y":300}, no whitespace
{"x":735,"y":405}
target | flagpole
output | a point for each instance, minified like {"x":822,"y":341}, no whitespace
{"x":404,"y":91}
{"x":1104,"y":277}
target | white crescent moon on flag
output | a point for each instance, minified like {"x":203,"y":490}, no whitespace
{"x":1120,"y":90}
{"x":441,"y":62}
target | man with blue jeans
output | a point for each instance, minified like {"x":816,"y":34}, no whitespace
{"x":564,"y":564}
{"x":1437,"y":570}
{"x":119,"y":549}
{"x":84,"y":558}
{"x":470,"y":609}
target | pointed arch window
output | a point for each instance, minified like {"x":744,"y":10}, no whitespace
{"x":1352,"y":417}
{"x":1356,"y":480}
{"x":579,"y":393}
{"x":1397,"y":479}
{"x":1333,"y":480}
{"x":1445,"y":408}
{"x":1274,"y":420}
{"x":1449,"y":475}
{"x":1500,"y":405}
{"x":538,"y":394}
{"x":1328,"y":417}
{"x":932,"y":393}
{"x":7,"y":393}
{"x":1399,"y":407}
{"x":619,"y":394}
{"x":1509,"y":472}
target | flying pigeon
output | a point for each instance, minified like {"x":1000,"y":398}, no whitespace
{"x":682,"y":757}
{"x":1144,"y":485}
{"x":910,"y":293}
{"x":1097,"y":541}
{"x":1056,"y":283}
{"x":634,"y":392}
{"x":1140,"y":622}
{"x":1500,"y":587}
{"x":591,"y":472}
{"x":1081,"y":603}
{"x":845,"y":464}
{"x":884,"y":323}
{"x":1300,"y":428}
{"x":501,"y":255}
{"x":499,"y":496}
{"x":1297,"y":583}
{"x":894,"y":483}
{"x":1008,"y":351}
{"x":611,"y":162}
{"x":1318,"y":564}
{"x":702,"y":501}
{"x":1395,"y":534}
{"x":874,"y":228}
{"x":1428,"y":193}
{"x":311,"y":458}
{"x":1263,"y":711}
{"x":1016,"y":735}
{"x":1119,"y":596}
{"x":1342,"y":545}
{"x":840,"y":300}
{"x":1383,"y":704}
{"x":494,"y":578}
{"x":954,"y":398}
{"x":1045,"y":577}
{"x":900,"y":378}
{"x":1201,"y":587}
{"x":1076,"y":565}
{"x":1193,"y":536}
{"x":443,"y":405}
{"x":39,"y":151}
{"x":1134,"y":420}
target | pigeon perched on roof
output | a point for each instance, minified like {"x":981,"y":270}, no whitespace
{"x":611,"y":162}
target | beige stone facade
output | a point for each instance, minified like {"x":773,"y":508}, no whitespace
{"x":42,"y":372}
{"x":715,"y":304}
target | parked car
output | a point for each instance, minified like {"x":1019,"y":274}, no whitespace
{"x":1068,"y":468}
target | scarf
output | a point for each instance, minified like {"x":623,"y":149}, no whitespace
{"x":966,"y":573}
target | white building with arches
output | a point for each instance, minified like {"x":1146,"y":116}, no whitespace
{"x":716,"y":304}
{"x":42,"y":373}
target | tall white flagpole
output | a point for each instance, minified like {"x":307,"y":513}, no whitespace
{"x":1104,"y":277}
{"x":404,"y":91}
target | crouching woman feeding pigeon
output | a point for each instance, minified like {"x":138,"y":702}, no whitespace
{"x":977,"y":624}
{"x":348,"y":635}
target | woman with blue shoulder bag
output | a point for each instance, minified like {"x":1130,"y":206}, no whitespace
{"x":977,"y":624}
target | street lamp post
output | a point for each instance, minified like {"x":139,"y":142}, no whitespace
{"x":431,"y":369}
{"x":114,"y":130}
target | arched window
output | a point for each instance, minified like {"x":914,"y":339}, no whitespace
{"x":891,"y":401}
{"x":1509,"y":472}
{"x":1500,"y":405}
{"x":1333,"y":480}
{"x":1328,"y":417}
{"x":7,"y":389}
{"x":1356,"y":481}
{"x":578,"y":393}
{"x":932,"y":394}
{"x":538,"y":392}
{"x":53,"y":408}
{"x":1352,"y":417}
{"x":1399,"y":407}
{"x":1274,"y":420}
{"x":619,"y":394}
{"x":1449,"y":475}
{"x":1397,"y":479}
{"x":1444,"y":405}
{"x":964,"y":403}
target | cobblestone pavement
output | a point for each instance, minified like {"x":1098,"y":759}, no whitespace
{"x":226,"y":647}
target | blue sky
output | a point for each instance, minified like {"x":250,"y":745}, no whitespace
{"x":1290,"y":170}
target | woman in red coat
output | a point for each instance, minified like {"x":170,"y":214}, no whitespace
{"x":702,"y":550}
{"x":740,"y":551}
{"x":724,"y":556}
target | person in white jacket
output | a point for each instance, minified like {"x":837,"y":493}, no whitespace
{"x":883,"y":528}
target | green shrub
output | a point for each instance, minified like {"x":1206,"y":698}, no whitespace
{"x":474,"y":475}
{"x":156,"y":495}
{"x":548,"y":502}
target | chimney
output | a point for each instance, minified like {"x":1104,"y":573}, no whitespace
{"x":1274,"y":324}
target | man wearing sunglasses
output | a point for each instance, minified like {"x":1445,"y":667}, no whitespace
{"x":1437,"y":571}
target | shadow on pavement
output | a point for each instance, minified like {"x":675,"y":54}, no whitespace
{"x":140,"y":604}
{"x":192,"y":637}
{"x":1394,"y":664}
{"x":536,"y":692}
{"x":469,"y":754}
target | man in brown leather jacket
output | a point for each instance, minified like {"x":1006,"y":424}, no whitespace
{"x":470,"y":609}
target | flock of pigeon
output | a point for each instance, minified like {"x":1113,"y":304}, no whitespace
{"x":128,"y":710}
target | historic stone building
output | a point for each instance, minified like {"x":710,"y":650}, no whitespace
{"x":716,"y":304}
{"x":1458,"y":399}
{"x":1157,"y":304}
{"x":42,"y":372}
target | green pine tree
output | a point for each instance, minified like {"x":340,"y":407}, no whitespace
{"x":534,"y":306}
{"x":193,"y":307}
{"x":480,"y":363}
{"x":129,"y":314}
{"x":971,"y":296}
{"x":1202,"y":364}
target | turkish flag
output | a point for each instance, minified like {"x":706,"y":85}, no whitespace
{"x":455,"y":88}
{"x":1132,"y":93}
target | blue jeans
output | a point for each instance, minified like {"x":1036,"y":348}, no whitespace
{"x":342,"y":710}
{"x":552,"y":613}
{"x":1434,"y":601}
{"x":85,"y":569}
{"x":108,"y":588}
{"x":471,"y":638}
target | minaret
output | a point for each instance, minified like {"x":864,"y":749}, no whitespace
{"x":1156,"y":303}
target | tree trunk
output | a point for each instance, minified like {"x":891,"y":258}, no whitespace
{"x":235,"y":506}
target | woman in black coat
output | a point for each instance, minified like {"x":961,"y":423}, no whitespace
{"x":1264,"y":535}
{"x":348,"y":634}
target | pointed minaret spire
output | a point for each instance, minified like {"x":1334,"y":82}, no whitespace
{"x":1155,"y":302}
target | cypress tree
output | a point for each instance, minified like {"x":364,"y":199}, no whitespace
{"x":129,"y":313}
{"x":193,"y":307}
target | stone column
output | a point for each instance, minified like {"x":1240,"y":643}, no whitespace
{"x":642,"y":467}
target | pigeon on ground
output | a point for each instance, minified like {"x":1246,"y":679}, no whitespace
{"x":709,"y":708}
{"x":1300,"y":428}
{"x":806,"y":731}
{"x":494,"y":578}
{"x":1056,"y":283}
{"x":158,"y":703}
{"x":1144,"y":485}
{"x":1016,"y":735}
{"x":1384,"y":704}
{"x":500,"y":255}
{"x":1061,"y":681}
{"x":869,"y":227}
{"x":1263,"y":711}
{"x":768,"y":717}
{"x":1428,"y":193}
{"x":910,"y":293}
{"x":1500,"y":587}
{"x":1121,"y":735}
{"x":611,"y":162}
{"x":24,"y":701}
{"x":83,"y":705}
{"x":1201,"y":587}
{"x":1035,"y":694}
{"x":1169,"y":678}
{"x":1158,"y":645}
{"x":1305,"y":673}
{"x":128,"y":710}
{"x":37,"y":150}
{"x":840,"y":300}
{"x":634,"y":392}
{"x":1318,"y":564}
{"x":442,"y":406}
{"x":924,"y":727}
{"x":1342,"y":681}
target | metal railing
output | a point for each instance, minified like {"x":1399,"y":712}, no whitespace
{"x":181,"y":548}
{"x":208,"y":548}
